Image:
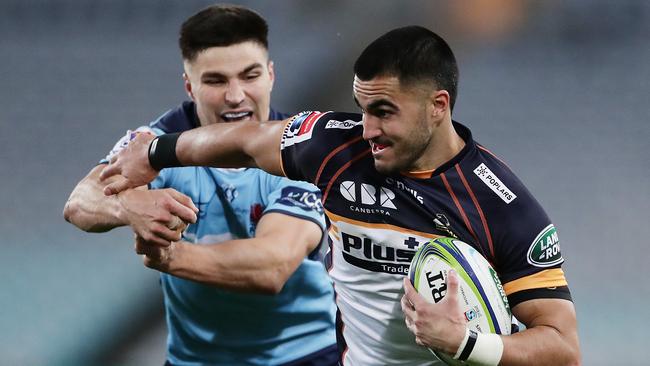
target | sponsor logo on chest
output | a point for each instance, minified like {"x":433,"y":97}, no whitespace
{"x":398,"y":184}
{"x":367,"y":198}
{"x":378,"y":250}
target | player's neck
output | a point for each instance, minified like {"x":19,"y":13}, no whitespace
{"x":445,"y":144}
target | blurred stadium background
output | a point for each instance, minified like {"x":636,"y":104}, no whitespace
{"x":560,"y":89}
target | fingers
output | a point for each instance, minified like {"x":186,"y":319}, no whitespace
{"x":182,"y":206}
{"x":144,"y":247}
{"x":110,"y":170}
{"x":151,"y":254}
{"x":117,"y":186}
{"x":452,"y":286}
{"x":160,"y":235}
{"x":412,"y":294}
{"x":183,"y":199}
{"x":176,"y":224}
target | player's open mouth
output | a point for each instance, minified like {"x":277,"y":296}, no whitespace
{"x":377,"y":148}
{"x":236,"y":116}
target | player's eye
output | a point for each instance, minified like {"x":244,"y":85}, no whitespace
{"x":214,"y":81}
{"x":252,"y":76}
{"x":382,"y":113}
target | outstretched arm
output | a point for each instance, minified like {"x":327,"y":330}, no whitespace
{"x":156,"y":215}
{"x":88,"y":209}
{"x":551,"y":337}
{"x":225,"y":145}
{"x":261,"y":264}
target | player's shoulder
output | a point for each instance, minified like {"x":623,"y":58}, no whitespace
{"x":278,"y":183}
{"x":178,"y":119}
{"x":321,"y":125}
{"x":491,"y":174}
{"x":307,"y":120}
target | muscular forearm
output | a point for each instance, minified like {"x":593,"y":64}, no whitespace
{"x":89,"y":209}
{"x":538,"y":346}
{"x":248,"y":265}
{"x":241,"y":144}
{"x":551,"y":337}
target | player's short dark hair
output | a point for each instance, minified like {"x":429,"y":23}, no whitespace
{"x":412,"y":54}
{"x":221,"y":26}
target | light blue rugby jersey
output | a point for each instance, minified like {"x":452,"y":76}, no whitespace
{"x":225,"y":327}
{"x":208,"y":325}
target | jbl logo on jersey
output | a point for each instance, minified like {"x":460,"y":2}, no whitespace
{"x":367,"y":194}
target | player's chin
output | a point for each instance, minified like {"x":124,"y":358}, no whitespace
{"x":384,"y":167}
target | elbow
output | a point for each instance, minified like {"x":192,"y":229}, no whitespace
{"x":574,"y":358}
{"x":73,"y":214}
{"x":68,"y":212}
{"x":273,"y":283}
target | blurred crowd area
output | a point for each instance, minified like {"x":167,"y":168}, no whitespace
{"x":557,"y":88}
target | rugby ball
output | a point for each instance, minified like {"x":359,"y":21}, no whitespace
{"x":481,"y":296}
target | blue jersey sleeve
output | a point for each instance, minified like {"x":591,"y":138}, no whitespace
{"x":297,"y":199}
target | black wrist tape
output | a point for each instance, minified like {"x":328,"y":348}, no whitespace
{"x":162,"y":151}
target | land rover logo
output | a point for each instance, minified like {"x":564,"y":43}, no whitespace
{"x":545,"y":249}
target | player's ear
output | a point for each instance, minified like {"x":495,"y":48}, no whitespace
{"x":188,"y":86}
{"x":271,"y":73}
{"x":439,"y":103}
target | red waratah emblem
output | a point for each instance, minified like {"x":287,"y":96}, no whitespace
{"x":257,"y":210}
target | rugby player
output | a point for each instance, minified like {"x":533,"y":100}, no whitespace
{"x":392,"y":178}
{"x":246,"y":285}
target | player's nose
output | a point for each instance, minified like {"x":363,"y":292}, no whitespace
{"x":371,"y":128}
{"x":235,"y":93}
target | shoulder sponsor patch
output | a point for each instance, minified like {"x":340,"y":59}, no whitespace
{"x":343,"y":125}
{"x":300,"y":128}
{"x":301,"y":198}
{"x":490,"y":179}
{"x":545,"y":249}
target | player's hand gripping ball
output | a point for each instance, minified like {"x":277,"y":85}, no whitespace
{"x":481,"y":295}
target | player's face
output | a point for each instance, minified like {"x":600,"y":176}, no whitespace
{"x":230,"y":83}
{"x":396,"y":123}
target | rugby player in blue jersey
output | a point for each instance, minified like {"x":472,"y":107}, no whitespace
{"x":245,"y":285}
{"x":392,"y":178}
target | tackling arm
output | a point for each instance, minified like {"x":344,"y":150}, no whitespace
{"x":155,"y":215}
{"x":222,"y":145}
{"x":261,"y":264}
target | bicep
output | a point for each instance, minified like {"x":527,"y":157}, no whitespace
{"x":297,"y":236}
{"x":558,"y":314}
{"x":263,"y":146}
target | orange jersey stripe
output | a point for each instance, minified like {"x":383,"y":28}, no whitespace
{"x":459,"y":207}
{"x":478,"y":208}
{"x":341,"y":170}
{"x":424,"y":174}
{"x":286,"y":125}
{"x":335,"y":218}
{"x":493,"y":154}
{"x":548,"y":278}
{"x":331,"y":154}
